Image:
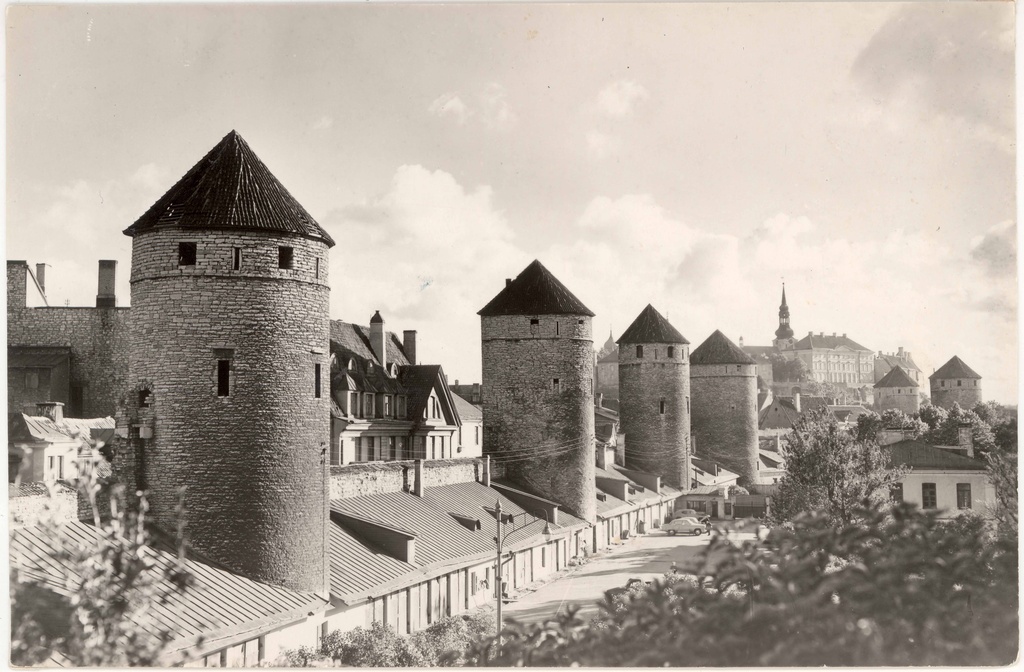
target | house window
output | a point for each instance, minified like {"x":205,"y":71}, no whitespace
{"x":387,"y":405}
{"x":367,"y":405}
{"x":639,"y":351}
{"x":661,"y":407}
{"x":473,"y":583}
{"x":543,"y":556}
{"x":433,"y":447}
{"x":963,"y":495}
{"x":476,"y":435}
{"x":186,"y":254}
{"x":896,"y":493}
{"x":353,"y":404}
{"x":400,"y":448}
{"x":671,"y":351}
{"x":929,"y":499}
{"x":236,"y":258}
{"x":370,"y":446}
{"x":316,"y":381}
{"x":285,"y":256}
{"x":223,"y":377}
{"x":392,"y":448}
{"x":401,"y":407}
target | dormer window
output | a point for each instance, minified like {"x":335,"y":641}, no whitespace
{"x":351,"y":366}
{"x":387,"y":406}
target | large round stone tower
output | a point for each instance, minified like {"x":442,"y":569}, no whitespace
{"x":538,"y":388}
{"x":654,"y":397}
{"x":229,"y":368}
{"x":955,"y":382}
{"x":897,"y":390}
{"x":723,"y":384}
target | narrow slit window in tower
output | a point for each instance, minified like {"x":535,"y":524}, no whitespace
{"x":236,"y":258}
{"x":556,"y":384}
{"x":284,"y":256}
{"x":223,"y":377}
{"x":186,"y":254}
{"x":661,"y":407}
{"x":316,"y":381}
{"x":316,"y":272}
{"x":671,"y":352}
{"x":557,"y":329}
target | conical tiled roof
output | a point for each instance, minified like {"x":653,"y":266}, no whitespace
{"x":896,"y":377}
{"x":718,"y":349}
{"x":954,"y":368}
{"x":230,"y":188}
{"x":535,"y":292}
{"x":651,"y":327}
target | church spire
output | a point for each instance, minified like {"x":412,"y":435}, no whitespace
{"x":784,"y":332}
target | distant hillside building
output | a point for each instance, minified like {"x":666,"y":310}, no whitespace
{"x":723,"y":387}
{"x":955,"y":382}
{"x":654,"y":397}
{"x":884,"y":363}
{"x":899,"y":391}
{"x":538,"y":388}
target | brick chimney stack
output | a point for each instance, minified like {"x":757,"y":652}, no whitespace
{"x":409,"y":345}
{"x":54,"y":410}
{"x":377,"y":339}
{"x":105,"y":296}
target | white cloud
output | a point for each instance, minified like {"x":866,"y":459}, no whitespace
{"x":494,"y":108}
{"x":602,"y":145}
{"x":618,"y":99}
{"x":450,"y":105}
{"x":323,"y":123}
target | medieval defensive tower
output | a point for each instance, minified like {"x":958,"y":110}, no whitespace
{"x":784,"y":334}
{"x":723,"y":384}
{"x":955,"y":382}
{"x":229,"y":368}
{"x":897,"y":390}
{"x":538,"y":395}
{"x":654,"y":397}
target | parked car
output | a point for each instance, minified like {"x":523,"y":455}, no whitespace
{"x":691,"y":513}
{"x":685,"y":526}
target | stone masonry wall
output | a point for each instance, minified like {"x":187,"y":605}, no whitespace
{"x":371,"y":478}
{"x":904,"y":399}
{"x":254,"y":462}
{"x":656,"y":442}
{"x":98,"y":338}
{"x":724,"y":416}
{"x":967,"y":395}
{"x":541,"y":431}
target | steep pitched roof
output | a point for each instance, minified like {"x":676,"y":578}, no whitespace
{"x":230,"y":188}
{"x":718,"y":349}
{"x":825,"y":342}
{"x":919,"y":455}
{"x":954,"y":368}
{"x":650,"y":327}
{"x":535,"y":292}
{"x":611,"y":358}
{"x":356,"y":339}
{"x":419,"y":381}
{"x":906,"y":361}
{"x":896,"y":377}
{"x":467,"y":411}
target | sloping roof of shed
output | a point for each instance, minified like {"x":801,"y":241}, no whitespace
{"x":651,"y":327}
{"x":535,"y":291}
{"x":718,"y":349}
{"x":955,"y":368}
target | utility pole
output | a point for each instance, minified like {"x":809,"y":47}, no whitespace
{"x":497,"y":567}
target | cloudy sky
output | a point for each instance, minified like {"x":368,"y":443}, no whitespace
{"x":690,"y":156}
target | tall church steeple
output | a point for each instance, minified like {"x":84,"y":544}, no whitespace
{"x":784,"y":334}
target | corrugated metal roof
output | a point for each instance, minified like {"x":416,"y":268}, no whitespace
{"x":718,"y":349}
{"x":651,"y":327}
{"x":919,"y":455}
{"x":955,"y":368}
{"x":41,"y":428}
{"x":230,"y":187}
{"x":218,"y":604}
{"x":535,"y":291}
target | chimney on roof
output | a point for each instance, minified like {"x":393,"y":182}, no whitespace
{"x":821,"y":333}
{"x":417,"y":485}
{"x":456,"y":382}
{"x":741,"y":341}
{"x":476,"y":393}
{"x":409,"y":344}
{"x":41,"y":278}
{"x":54,"y":410}
{"x":833,"y":334}
{"x":508,"y":281}
{"x":716,"y":468}
{"x":810,"y":333}
{"x":105,"y":297}
{"x":487,"y":471}
{"x":899,"y":352}
{"x":844,"y":334}
{"x":965,"y":438}
{"x":17,"y":284}
{"x":377,"y":336}
{"x":796,"y":401}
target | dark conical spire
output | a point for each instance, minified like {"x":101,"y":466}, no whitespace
{"x":535,"y":291}
{"x":230,"y":188}
{"x":650,"y":327}
{"x":784,"y":331}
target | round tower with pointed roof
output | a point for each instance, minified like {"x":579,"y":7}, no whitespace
{"x":784,"y":334}
{"x":897,"y":390}
{"x":654,"y":397}
{"x":723,"y":419}
{"x":229,"y":368}
{"x":955,"y":382}
{"x":537,"y":347}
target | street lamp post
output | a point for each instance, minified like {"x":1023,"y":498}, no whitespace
{"x":499,"y":540}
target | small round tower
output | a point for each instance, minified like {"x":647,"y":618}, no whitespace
{"x":897,"y":390}
{"x":654,"y":397}
{"x":537,"y":348}
{"x":229,"y":368}
{"x":955,"y":382}
{"x":723,"y":420}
